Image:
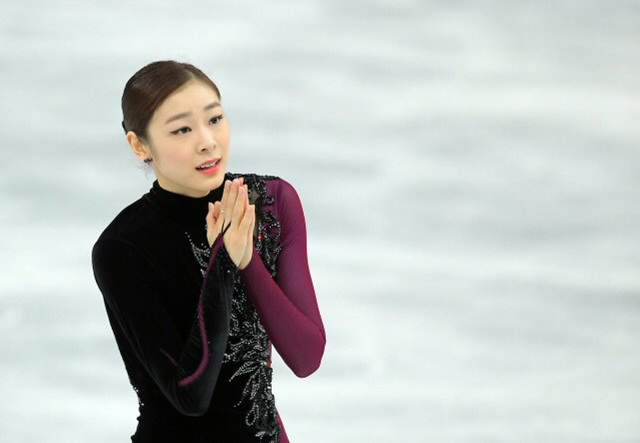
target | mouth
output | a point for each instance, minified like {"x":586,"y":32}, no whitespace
{"x":209,"y":164}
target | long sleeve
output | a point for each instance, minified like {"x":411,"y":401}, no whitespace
{"x":287,"y":305}
{"x":186,"y":373}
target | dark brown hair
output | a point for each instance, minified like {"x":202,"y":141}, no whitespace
{"x":150,"y":86}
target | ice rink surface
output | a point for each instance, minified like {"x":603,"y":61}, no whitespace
{"x":470,"y":175}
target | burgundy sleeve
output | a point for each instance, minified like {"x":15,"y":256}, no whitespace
{"x":287,"y":305}
{"x":186,"y":373}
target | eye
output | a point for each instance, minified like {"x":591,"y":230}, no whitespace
{"x":186,"y":129}
{"x":179,"y":131}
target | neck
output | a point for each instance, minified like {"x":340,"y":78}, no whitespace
{"x":183,"y":209}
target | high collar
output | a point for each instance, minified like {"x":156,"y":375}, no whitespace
{"x":185,"y":210}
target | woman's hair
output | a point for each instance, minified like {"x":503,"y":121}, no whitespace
{"x":150,"y":86}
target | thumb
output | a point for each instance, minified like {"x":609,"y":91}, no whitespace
{"x":213,"y":222}
{"x":209,"y":217}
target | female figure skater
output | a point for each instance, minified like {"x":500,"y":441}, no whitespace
{"x":204,"y":272}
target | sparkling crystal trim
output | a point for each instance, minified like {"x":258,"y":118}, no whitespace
{"x":202,"y":253}
{"x":248,"y":342}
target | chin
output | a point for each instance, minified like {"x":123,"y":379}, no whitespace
{"x":216,"y":181}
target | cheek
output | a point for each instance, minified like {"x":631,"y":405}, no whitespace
{"x":225,"y":143}
{"x":175,"y":148}
{"x":172,"y":155}
{"x":224,"y":139}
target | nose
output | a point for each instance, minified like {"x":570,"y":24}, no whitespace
{"x":207,"y":141}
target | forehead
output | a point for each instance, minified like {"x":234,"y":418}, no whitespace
{"x":191,"y":97}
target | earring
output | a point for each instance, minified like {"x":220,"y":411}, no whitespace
{"x":148,"y":160}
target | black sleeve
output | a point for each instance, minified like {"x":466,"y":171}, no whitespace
{"x":185,"y":372}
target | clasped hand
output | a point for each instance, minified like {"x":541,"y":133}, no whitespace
{"x":239,"y":221}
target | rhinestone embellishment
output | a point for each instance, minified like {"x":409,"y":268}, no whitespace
{"x":249,"y":343}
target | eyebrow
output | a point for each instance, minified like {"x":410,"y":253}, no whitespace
{"x":187,"y":114}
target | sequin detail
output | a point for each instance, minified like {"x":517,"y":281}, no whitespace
{"x":202,"y":253}
{"x":249,"y":343}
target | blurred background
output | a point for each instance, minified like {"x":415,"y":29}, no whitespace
{"x":470,"y":176}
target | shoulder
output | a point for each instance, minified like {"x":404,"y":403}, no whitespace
{"x":128,"y":221}
{"x":132,"y":228}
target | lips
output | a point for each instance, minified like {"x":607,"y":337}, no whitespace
{"x":209,"y":164}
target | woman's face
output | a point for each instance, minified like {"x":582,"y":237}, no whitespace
{"x":189,"y":130}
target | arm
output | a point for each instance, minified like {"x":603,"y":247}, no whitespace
{"x":287,"y":306}
{"x":186,"y":373}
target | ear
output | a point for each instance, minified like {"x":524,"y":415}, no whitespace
{"x":138,"y":146}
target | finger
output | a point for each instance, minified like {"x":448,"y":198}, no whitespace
{"x":210,"y":217}
{"x":210,"y":223}
{"x":230,"y":204}
{"x":246,"y":197}
{"x":226,"y":204}
{"x":232,"y":197}
{"x":239,"y":208}
{"x":221,"y":217}
{"x":225,"y":193}
{"x":246,"y":220}
{"x":216,"y":213}
{"x":223,"y":207}
{"x":252,"y":220}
